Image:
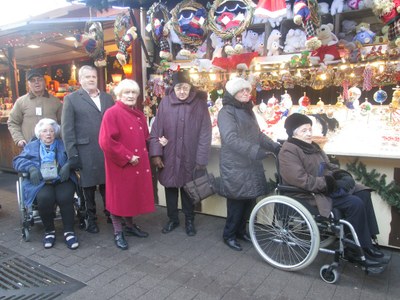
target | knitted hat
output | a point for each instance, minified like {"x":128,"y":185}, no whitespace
{"x":180,"y":77}
{"x":294,"y":121}
{"x":34,"y":73}
{"x":237,"y":84}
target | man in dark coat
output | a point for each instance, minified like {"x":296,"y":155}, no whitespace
{"x":82,"y":114}
{"x":243,"y":146}
{"x":180,"y":141}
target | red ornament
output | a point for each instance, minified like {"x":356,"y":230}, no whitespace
{"x":304,"y":101}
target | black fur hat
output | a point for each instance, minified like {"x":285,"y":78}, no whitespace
{"x":294,"y":121}
{"x":180,"y":77}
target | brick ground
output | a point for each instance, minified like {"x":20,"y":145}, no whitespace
{"x":175,"y":266}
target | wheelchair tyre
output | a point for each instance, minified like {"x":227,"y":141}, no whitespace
{"x":26,"y":235}
{"x":284,"y":233}
{"x":328,"y":274}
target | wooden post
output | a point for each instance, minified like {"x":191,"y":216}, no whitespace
{"x":12,"y":65}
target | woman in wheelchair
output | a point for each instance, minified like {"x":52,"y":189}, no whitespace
{"x":303,"y":164}
{"x":50,"y":181}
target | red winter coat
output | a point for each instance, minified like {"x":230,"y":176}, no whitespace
{"x":123,"y":133}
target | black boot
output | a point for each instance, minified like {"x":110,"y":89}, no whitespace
{"x":190,"y":229}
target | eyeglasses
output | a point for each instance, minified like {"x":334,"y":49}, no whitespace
{"x":248,"y":91}
{"x":35,"y":80}
{"x":182,"y":88}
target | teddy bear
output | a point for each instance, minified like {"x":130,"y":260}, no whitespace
{"x":382,"y":39}
{"x":305,"y":13}
{"x":273,"y":49}
{"x":259,"y":46}
{"x":249,"y":38}
{"x":328,"y":52}
{"x":217,"y":43}
{"x":161,"y":32}
{"x":348,"y":30}
{"x":274,"y":36}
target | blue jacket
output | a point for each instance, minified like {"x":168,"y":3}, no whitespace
{"x":30,"y":157}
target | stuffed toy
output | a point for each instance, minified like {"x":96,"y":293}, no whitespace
{"x":217,"y":43}
{"x":328,"y":52}
{"x":348,"y":30}
{"x":388,"y":11}
{"x":249,"y":38}
{"x":363,"y":34}
{"x":290,"y":42}
{"x":124,"y":44}
{"x":274,"y":36}
{"x":273,"y":49}
{"x":337,"y":6}
{"x":260,"y":43}
{"x":382,"y":39}
{"x":323,"y":8}
{"x":161,"y":32}
{"x":307,"y":16}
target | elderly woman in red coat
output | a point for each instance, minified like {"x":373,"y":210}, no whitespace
{"x":123,"y":136}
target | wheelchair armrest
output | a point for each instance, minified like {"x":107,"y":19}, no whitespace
{"x":291,"y":189}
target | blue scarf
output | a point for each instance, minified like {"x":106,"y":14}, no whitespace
{"x":48,"y":153}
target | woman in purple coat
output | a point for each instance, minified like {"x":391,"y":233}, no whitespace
{"x":180,"y":141}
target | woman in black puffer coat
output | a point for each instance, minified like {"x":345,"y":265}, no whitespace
{"x":243,"y":146}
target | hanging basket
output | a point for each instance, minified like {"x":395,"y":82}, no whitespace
{"x":157,"y":11}
{"x":176,"y":13}
{"x":230,"y":33}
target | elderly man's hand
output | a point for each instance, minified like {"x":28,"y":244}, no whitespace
{"x":157,"y":162}
{"x":21,"y":143}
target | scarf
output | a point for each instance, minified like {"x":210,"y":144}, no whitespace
{"x":48,"y":152}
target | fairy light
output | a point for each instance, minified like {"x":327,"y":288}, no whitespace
{"x":323,"y":76}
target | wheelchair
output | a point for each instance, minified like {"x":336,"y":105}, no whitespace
{"x":29,"y":215}
{"x":288,"y":234}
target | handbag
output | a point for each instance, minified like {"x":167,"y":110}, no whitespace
{"x":49,"y":170}
{"x":201,"y":187}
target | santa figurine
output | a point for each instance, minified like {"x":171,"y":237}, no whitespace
{"x":273,"y":10}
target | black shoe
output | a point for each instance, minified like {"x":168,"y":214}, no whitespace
{"x":120,"y":241}
{"x":136,"y":231}
{"x":373,"y":253}
{"x":244,"y":237}
{"x":233,"y":244}
{"x":355,"y":258}
{"x":109,"y":221}
{"x":92,"y":227}
{"x":190,"y":229}
{"x":169,"y":226}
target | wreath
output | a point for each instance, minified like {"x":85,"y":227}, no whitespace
{"x":189,"y":21}
{"x":158,"y":12}
{"x":93,"y":42}
{"x":226,"y":18}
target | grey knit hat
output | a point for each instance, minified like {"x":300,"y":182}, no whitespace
{"x":237,"y":84}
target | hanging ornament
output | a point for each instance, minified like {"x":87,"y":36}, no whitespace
{"x":286,"y":101}
{"x":339,"y":101}
{"x":262,"y":107}
{"x":273,"y":101}
{"x":365,"y":107}
{"x":304,"y":101}
{"x":367,"y":75}
{"x":354,"y":94}
{"x":380,"y":96}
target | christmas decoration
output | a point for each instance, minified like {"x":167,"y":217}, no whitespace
{"x":380,"y":96}
{"x":304,"y":101}
{"x":388,"y":192}
{"x":93,"y":42}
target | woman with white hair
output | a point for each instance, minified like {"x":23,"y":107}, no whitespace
{"x":123,"y":136}
{"x":50,"y":181}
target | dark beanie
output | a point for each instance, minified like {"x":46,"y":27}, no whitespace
{"x":33,"y":73}
{"x":180,"y":77}
{"x":294,"y":121}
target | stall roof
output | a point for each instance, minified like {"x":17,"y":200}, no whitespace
{"x":49,"y":31}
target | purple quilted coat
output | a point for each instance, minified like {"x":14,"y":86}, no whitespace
{"x":187,"y":127}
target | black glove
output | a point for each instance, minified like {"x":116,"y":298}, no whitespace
{"x":64,"y":172}
{"x":331,"y":185}
{"x":261,"y":154}
{"x":75,"y":162}
{"x":346,"y":183}
{"x":277,"y":148}
{"x":35,"y":176}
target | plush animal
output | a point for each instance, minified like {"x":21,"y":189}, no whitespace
{"x":273,"y":11}
{"x":389,"y":11}
{"x":249,"y":38}
{"x":259,"y":46}
{"x":274,"y":36}
{"x":290,"y":42}
{"x":381,"y":39}
{"x":337,"y":6}
{"x":274,"y":49}
{"x":328,"y":52}
{"x":323,"y":8}
{"x":348,"y":30}
{"x":364,"y":37}
{"x":161,"y":32}
{"x":203,"y":64}
{"x":305,"y":13}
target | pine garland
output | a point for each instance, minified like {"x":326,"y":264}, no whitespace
{"x":389,"y":193}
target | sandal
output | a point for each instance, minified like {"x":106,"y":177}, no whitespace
{"x":71,"y":240}
{"x":49,"y":240}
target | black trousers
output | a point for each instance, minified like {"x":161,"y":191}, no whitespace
{"x":171,"y":197}
{"x":355,"y":212}
{"x":89,"y":194}
{"x":238,"y":213}
{"x":61,"y":194}
{"x":365,"y":196}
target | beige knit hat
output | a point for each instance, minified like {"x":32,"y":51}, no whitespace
{"x":237,"y":84}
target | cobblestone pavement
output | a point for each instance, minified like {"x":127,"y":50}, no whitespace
{"x":175,"y":266}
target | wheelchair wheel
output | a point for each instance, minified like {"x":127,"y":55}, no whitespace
{"x":329,"y":274}
{"x":284,"y":233}
{"x":26,"y":236}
